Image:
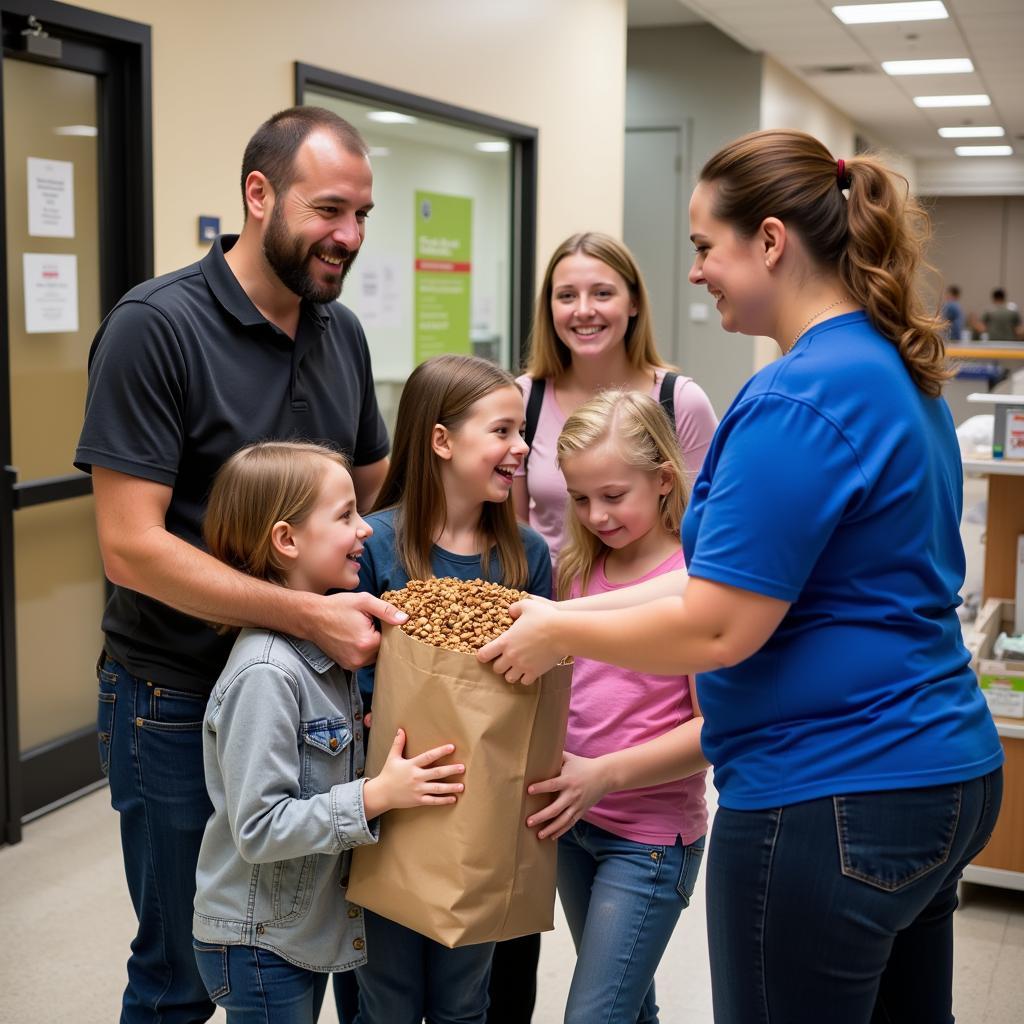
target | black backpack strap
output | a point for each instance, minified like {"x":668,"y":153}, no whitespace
{"x":536,"y":399}
{"x":667,"y":397}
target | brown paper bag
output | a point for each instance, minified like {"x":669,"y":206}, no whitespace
{"x":470,"y":871}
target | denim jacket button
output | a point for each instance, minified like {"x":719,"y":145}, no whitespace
{"x":333,"y":743}
{"x":260,"y":929}
{"x":358,"y":943}
{"x":359,"y":773}
{"x":353,"y":911}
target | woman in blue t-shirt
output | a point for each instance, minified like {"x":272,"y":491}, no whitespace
{"x":857,"y":765}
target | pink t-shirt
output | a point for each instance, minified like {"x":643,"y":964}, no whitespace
{"x":695,"y":425}
{"x":614,"y":708}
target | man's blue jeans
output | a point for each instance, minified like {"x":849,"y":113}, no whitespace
{"x":841,"y":909}
{"x":150,"y":740}
{"x":256,"y":986}
{"x":622,"y":900}
{"x":408,"y":977}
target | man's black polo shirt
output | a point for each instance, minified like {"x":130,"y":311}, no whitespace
{"x":184,"y":372}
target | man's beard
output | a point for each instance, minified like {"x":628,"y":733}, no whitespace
{"x":289,"y":258}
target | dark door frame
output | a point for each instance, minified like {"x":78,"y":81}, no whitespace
{"x":119,"y":52}
{"x":523,"y":139}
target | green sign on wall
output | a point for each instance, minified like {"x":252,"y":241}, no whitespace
{"x":444,"y":232}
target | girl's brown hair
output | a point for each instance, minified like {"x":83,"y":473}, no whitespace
{"x":443,"y":391}
{"x":263,"y":484}
{"x":639,"y":430}
{"x":874,"y":239}
{"x":548,"y":354}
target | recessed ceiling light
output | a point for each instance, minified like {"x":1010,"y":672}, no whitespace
{"x":978,"y":99}
{"x":390,"y":117}
{"x":984,"y":150}
{"x":87,"y":131}
{"x":497,"y":146}
{"x":973,"y":132}
{"x":867,"y":14}
{"x":942,"y":66}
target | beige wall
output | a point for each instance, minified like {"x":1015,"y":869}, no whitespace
{"x":220,"y":68}
{"x":701,"y":81}
{"x":978,"y":243}
{"x":788,"y":102}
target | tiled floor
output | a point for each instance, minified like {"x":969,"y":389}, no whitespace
{"x":66,"y":921}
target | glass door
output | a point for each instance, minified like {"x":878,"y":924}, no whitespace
{"x":61,"y":165}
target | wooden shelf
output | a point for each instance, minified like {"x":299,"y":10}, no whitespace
{"x":1001,"y":863}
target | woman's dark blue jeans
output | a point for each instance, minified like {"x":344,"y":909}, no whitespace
{"x":841,"y":909}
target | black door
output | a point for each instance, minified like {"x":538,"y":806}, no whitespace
{"x":75,"y":233}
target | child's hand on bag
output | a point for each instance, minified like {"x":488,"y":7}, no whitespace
{"x":412,"y":782}
{"x":578,"y":787}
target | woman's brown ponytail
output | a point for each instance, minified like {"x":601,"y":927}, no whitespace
{"x":887,"y":232}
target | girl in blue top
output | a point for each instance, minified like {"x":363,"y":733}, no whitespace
{"x":857,"y":764}
{"x":445,"y":509}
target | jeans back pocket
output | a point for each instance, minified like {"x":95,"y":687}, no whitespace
{"x":889,"y":839}
{"x":212,"y":961}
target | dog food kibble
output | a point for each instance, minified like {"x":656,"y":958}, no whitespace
{"x":458,"y":615}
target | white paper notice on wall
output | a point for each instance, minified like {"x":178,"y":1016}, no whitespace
{"x":380,"y":294}
{"x":51,"y":198}
{"x":51,"y":293}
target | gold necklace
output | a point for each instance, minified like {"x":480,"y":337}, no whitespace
{"x":831,"y":305}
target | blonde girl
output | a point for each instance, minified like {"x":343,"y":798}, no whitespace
{"x":629,"y":812}
{"x":283,"y":750}
{"x":445,"y":509}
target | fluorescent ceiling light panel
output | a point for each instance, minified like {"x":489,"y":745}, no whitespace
{"x":390,"y":117}
{"x":942,"y":66}
{"x":497,"y":146}
{"x":86,"y":131}
{"x":973,"y":132}
{"x":871,"y":14}
{"x":978,"y":99}
{"x":984,"y":150}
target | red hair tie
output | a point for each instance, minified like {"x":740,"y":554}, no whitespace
{"x":841,"y":176}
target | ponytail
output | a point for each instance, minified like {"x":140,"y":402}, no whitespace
{"x":874,"y":240}
{"x":884,"y":254}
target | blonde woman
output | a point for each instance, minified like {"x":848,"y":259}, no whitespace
{"x":593,"y":330}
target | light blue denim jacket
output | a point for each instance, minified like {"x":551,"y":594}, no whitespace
{"x":283,"y":752}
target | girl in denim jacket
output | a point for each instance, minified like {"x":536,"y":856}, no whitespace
{"x":283,"y":752}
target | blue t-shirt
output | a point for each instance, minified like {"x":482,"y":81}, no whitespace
{"x":380,"y":570}
{"x":834,"y":484}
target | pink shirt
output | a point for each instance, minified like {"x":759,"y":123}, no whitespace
{"x":695,"y":424}
{"x":614,"y":708}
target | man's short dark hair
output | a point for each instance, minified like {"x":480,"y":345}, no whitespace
{"x":273,"y":148}
{"x":998,"y":295}
{"x":954,"y":290}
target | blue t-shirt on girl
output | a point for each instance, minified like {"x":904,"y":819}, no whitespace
{"x":835,"y":484}
{"x":381,"y":570}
